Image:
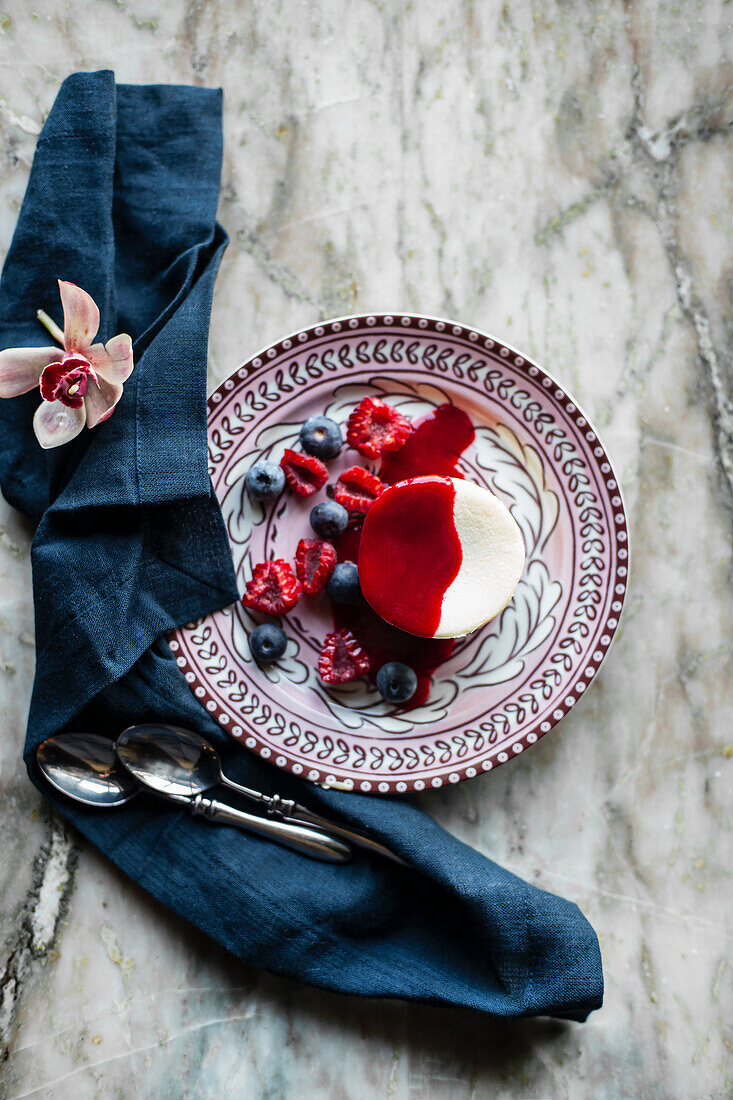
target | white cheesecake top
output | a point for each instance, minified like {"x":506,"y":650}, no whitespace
{"x":492,"y":564}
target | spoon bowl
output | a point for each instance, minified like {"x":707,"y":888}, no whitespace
{"x":169,"y":759}
{"x":84,"y":767}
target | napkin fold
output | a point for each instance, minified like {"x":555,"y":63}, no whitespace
{"x":130,"y":543}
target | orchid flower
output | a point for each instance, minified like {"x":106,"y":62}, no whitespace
{"x":80,"y":386}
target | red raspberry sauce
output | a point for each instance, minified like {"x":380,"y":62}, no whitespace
{"x":434,"y":447}
{"x":436,"y":444}
{"x":410,"y":553}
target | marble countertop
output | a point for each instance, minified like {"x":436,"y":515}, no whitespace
{"x":559,"y":174}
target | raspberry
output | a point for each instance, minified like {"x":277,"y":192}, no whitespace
{"x":375,"y":428}
{"x":304,"y":474}
{"x":342,"y":659}
{"x":273,"y":588}
{"x":315,"y":561}
{"x":357,"y":489}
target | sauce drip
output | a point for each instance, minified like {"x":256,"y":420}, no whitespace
{"x":435,"y":446}
{"x":410,"y":553}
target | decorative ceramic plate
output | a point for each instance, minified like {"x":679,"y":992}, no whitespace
{"x":504,"y":686}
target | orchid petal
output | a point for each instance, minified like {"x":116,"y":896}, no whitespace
{"x":20,"y":368}
{"x":100,"y":399}
{"x":113,"y":360}
{"x":81,"y":317}
{"x":55,"y":423}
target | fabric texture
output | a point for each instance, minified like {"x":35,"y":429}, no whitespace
{"x":122,"y":200}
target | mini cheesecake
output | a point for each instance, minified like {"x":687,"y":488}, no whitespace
{"x":439,"y":556}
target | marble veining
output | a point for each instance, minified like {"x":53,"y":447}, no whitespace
{"x":559,"y":174}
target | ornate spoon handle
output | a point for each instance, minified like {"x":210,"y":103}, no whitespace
{"x":299,"y":838}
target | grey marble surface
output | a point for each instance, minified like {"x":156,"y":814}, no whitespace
{"x":559,"y":174}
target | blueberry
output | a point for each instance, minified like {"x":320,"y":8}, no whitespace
{"x":321,"y":437}
{"x":396,"y":683}
{"x":343,"y":585}
{"x":265,"y":480}
{"x":329,"y":519}
{"x":267,"y":643}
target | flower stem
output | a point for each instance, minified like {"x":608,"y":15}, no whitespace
{"x":51,"y":325}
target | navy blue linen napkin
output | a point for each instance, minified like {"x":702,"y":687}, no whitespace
{"x":122,"y":200}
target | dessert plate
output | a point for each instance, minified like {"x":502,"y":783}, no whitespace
{"x":503,"y":687}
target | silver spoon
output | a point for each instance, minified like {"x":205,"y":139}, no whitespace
{"x":85,"y":767}
{"x":179,"y":759}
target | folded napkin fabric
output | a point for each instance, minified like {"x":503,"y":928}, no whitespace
{"x":130,"y":543}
